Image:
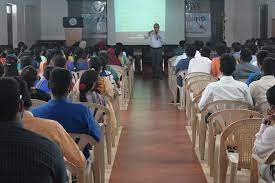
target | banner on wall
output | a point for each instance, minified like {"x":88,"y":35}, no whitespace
{"x":198,"y":25}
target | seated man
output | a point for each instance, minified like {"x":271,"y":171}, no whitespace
{"x":180,"y":49}
{"x":265,"y":138}
{"x":25,"y":156}
{"x":201,"y":64}
{"x":258,"y":88}
{"x":184,"y":63}
{"x":226,"y":88}
{"x":75,"y":118}
{"x":236,"y":50}
{"x":245,"y":68}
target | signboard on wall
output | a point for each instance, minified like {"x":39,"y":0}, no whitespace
{"x":198,"y":25}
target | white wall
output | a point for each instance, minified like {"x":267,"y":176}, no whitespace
{"x":52,"y":13}
{"x":19,"y":34}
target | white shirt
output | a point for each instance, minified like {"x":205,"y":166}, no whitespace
{"x":259,"y":88}
{"x":225,"y":89}
{"x":154,"y":41}
{"x":265,"y":141}
{"x":200,"y":64}
{"x":184,"y":56}
{"x":254,"y":61}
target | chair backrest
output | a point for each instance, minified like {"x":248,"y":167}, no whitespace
{"x":77,"y":75}
{"x":221,"y":105}
{"x":204,"y":76}
{"x":101,"y":113}
{"x":244,"y":134}
{"x":263,"y":107}
{"x":197,"y":87}
{"x":82,"y":140}
{"x":218,"y":121}
{"x":36,"y":103}
{"x":172,"y":60}
{"x":182,"y":73}
{"x":195,"y":74}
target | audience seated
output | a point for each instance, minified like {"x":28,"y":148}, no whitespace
{"x":265,"y":138}
{"x":184,"y":63}
{"x":226,"y":88}
{"x":113,"y":58}
{"x":29,"y":74}
{"x":25,"y":156}
{"x":80,"y":61}
{"x":201,"y":64}
{"x":43,"y":83}
{"x":254,"y":50}
{"x":46,"y":61}
{"x":215,"y":65}
{"x":257,"y":75}
{"x":75,"y":118}
{"x":10,"y":67}
{"x":184,"y":56}
{"x":59,"y":61}
{"x":236,"y":51}
{"x":259,"y":88}
{"x":245,"y":68}
{"x":180,"y":49}
{"x":27,"y":61}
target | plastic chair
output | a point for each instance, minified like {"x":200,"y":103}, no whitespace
{"x":263,"y":107}
{"x":181,"y":89}
{"x":73,"y":171}
{"x":36,"y":103}
{"x":217,"y":122}
{"x":102,"y":114}
{"x":77,"y":75}
{"x":243,"y":132}
{"x":213,"y":107}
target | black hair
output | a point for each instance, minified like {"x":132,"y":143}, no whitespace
{"x":190,"y":50}
{"x":10,"y":67}
{"x":228,"y":64}
{"x":221,"y":49}
{"x":270,"y":95}
{"x":79,"y":52}
{"x":104,"y":54}
{"x":26,"y":96}
{"x":253,"y":48}
{"x":261,"y":55}
{"x":199,"y":45}
{"x":59,"y":61}
{"x":87,"y":81}
{"x":60,"y":81}
{"x":25,"y":61}
{"x":9,"y":99}
{"x":182,"y":43}
{"x":29,"y":74}
{"x":236,"y":46}
{"x":206,"y":51}
{"x":49,"y":55}
{"x":95,"y":63}
{"x":47,"y":72}
{"x":268,"y":66}
{"x":246,"y":55}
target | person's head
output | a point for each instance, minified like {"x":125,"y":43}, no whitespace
{"x":10,"y":67}
{"x":49,"y":55}
{"x":190,"y":51}
{"x":96,"y":62}
{"x":79,"y":54}
{"x":83,"y":44}
{"x":268,"y":66}
{"x":270,"y":95}
{"x":47,"y":72}
{"x":156,"y":27}
{"x":221,"y":49}
{"x":206,"y":51}
{"x":60,"y":82}
{"x":199,"y":45}
{"x":59,"y":61}
{"x":182,"y":43}
{"x":25,"y":61}
{"x":29,"y":74}
{"x":261,"y":55}
{"x":236,"y":47}
{"x":227,"y":64}
{"x":103,"y":54}
{"x":11,"y":104}
{"x":246,"y":55}
{"x":88,"y":82}
{"x":253,"y":48}
{"x":26,"y":96}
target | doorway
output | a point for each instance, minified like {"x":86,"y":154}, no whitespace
{"x":263,"y":21}
{"x":9,"y":24}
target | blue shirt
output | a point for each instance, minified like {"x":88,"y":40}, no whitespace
{"x":75,"y":118}
{"x":42,"y":85}
{"x":81,"y":65}
{"x":182,"y":65}
{"x":253,"y":77}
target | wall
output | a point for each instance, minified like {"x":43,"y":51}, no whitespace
{"x":52,"y":13}
{"x":19,"y":21}
{"x":241,"y":20}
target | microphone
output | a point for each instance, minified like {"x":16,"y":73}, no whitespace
{"x":157,"y":35}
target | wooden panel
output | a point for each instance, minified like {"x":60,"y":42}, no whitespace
{"x":73,"y":35}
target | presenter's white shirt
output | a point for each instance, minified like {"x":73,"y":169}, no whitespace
{"x":200,"y":64}
{"x":154,"y":41}
{"x":184,"y":56}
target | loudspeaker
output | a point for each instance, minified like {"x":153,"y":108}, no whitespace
{"x":72,"y":22}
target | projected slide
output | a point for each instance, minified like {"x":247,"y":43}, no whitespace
{"x":139,"y":16}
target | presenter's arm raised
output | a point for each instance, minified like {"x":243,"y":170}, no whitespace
{"x":148,"y":35}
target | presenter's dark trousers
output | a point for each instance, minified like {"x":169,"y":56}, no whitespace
{"x":156,"y":54}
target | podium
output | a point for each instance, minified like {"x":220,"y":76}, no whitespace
{"x":73,"y":35}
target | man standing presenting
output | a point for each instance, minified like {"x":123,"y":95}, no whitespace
{"x":156,"y":39}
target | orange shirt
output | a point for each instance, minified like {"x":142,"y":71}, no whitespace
{"x":215,"y":67}
{"x":55,"y":132}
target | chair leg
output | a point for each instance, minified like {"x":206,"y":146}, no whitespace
{"x":233,"y":172}
{"x":254,"y":172}
{"x":211,"y":153}
{"x":194,"y":126}
{"x":109,"y":143}
{"x":202,"y":136}
{"x":216,"y":164}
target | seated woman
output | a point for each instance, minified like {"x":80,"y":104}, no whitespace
{"x":29,"y":74}
{"x":80,"y":61}
{"x":43,"y":83}
{"x":10,"y":66}
{"x":113,"y":59}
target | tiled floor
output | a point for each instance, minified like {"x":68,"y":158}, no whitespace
{"x":154,"y":146}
